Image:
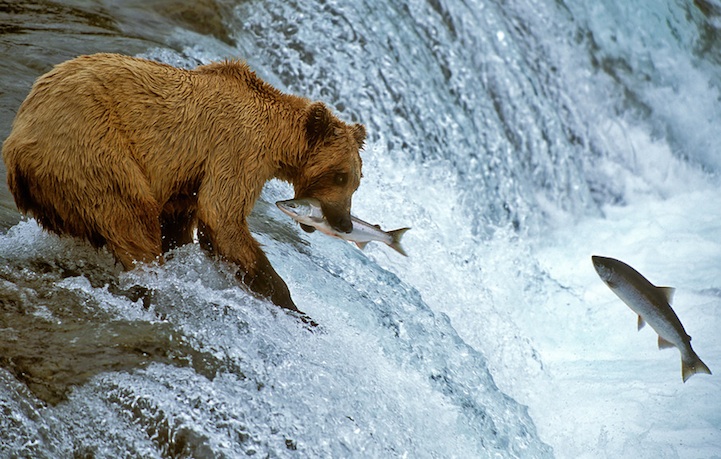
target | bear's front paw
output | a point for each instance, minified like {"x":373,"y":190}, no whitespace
{"x":268,"y":284}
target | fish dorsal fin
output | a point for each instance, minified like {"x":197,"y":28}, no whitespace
{"x":664,"y":344}
{"x":667,"y":293}
{"x":641,"y":322}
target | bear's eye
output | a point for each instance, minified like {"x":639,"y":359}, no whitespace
{"x":340,"y":178}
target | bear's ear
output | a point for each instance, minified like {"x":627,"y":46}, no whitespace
{"x":359,"y":134}
{"x":318,"y":124}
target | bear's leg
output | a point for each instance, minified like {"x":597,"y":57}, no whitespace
{"x":238,"y":246}
{"x":268,"y":283}
{"x":132,"y":231}
{"x":128,"y":226}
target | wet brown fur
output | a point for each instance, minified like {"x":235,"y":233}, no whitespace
{"x":134,"y":155}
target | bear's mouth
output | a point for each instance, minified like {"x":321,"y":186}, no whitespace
{"x":338,"y":217}
{"x":342,"y":224}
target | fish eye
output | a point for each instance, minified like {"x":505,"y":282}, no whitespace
{"x":341,"y":178}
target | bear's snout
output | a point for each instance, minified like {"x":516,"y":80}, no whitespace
{"x":338,"y":219}
{"x":345,"y":225}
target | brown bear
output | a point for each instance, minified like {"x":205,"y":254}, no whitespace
{"x":134,"y":155}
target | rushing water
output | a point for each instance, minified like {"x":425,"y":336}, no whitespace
{"x":515,"y":138}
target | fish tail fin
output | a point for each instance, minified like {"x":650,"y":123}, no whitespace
{"x":692,"y":366}
{"x":396,"y":236}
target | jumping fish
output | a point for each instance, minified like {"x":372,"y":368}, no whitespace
{"x":309,"y":212}
{"x":653,"y":306}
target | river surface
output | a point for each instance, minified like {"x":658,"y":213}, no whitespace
{"x":516,"y":138}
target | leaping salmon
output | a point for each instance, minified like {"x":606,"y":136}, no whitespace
{"x":653,"y":306}
{"x":308,"y":211}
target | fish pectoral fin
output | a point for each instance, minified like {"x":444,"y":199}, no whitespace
{"x":641,"y":322}
{"x":664,"y":344}
{"x":667,"y":293}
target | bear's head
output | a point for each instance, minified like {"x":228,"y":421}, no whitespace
{"x":332,"y":169}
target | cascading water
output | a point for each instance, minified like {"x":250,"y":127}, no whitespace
{"x":515,"y":138}
{"x":446,"y":85}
